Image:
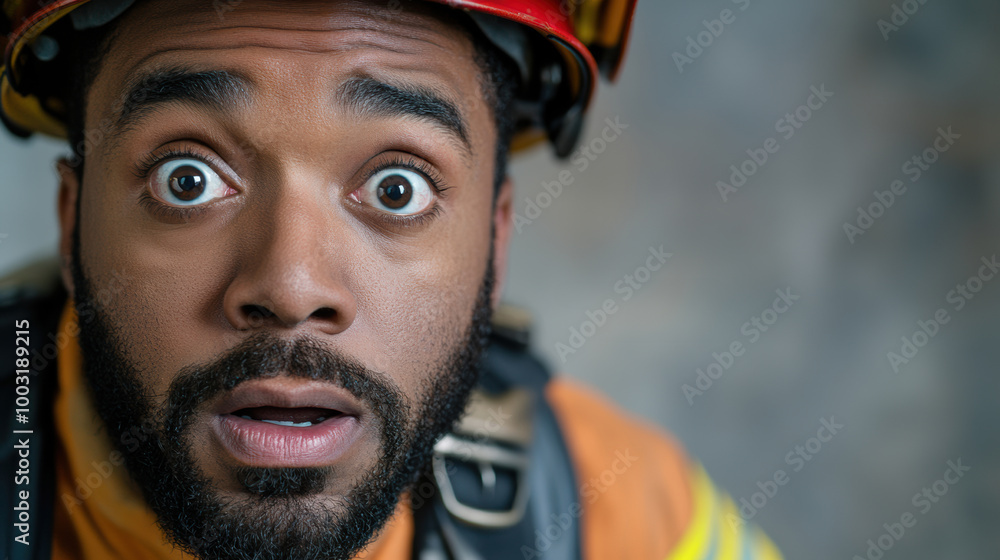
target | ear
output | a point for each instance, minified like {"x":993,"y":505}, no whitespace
{"x":69,"y":191}
{"x":502,"y":224}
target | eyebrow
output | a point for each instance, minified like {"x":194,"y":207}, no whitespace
{"x":225,"y":91}
{"x":218,"y":90}
{"x":369,"y":97}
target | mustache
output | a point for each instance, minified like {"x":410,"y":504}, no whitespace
{"x":265,"y":355}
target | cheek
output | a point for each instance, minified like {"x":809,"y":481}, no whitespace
{"x":158,"y":297}
{"x":412,"y":316}
{"x":415,"y":308}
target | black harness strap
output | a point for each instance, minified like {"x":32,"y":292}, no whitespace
{"x":549,"y":526}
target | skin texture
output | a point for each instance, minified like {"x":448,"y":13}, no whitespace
{"x":292,"y":249}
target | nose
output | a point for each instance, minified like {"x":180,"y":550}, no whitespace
{"x":290,"y":275}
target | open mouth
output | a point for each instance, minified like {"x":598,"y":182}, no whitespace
{"x":283,"y":422}
{"x":301,"y":417}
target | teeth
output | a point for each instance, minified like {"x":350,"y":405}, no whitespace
{"x":286,"y":423}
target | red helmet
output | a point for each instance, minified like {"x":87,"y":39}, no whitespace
{"x":588,"y":38}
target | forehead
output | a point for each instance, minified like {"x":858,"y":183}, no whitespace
{"x":306,"y":26}
{"x":294,"y":48}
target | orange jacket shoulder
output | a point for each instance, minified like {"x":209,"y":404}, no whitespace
{"x":635,"y":482}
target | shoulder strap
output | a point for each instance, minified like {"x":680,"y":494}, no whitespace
{"x":503,"y":484}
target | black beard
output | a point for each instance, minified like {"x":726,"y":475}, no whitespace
{"x":274,"y":521}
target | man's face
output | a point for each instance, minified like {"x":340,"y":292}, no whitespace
{"x":294,"y":203}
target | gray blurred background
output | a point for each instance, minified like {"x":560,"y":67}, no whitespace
{"x":688,"y":120}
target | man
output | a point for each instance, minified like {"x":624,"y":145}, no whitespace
{"x":283,"y":236}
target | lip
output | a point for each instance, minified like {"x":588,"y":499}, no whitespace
{"x":262,"y":444}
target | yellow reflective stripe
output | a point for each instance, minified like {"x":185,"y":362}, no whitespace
{"x":730,"y":537}
{"x":711,"y":537}
{"x":764,"y":549}
{"x":697,"y":541}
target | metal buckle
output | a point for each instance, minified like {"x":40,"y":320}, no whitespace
{"x":486,"y":456}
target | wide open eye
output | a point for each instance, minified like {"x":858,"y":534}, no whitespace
{"x":187,"y":182}
{"x":398,"y":190}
